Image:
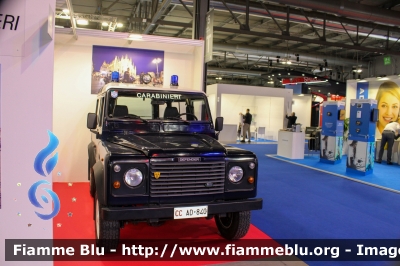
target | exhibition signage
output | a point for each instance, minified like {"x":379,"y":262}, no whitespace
{"x":295,"y":80}
{"x":209,"y":36}
{"x":12,"y":27}
{"x":387,"y":60}
{"x":336,"y":97}
{"x":362,"y":90}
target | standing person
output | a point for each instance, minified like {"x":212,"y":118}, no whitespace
{"x":246,"y":125}
{"x":389,"y":133}
{"x":388,"y":98}
{"x":291,"y":120}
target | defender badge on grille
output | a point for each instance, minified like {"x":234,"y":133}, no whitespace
{"x":189,"y":159}
{"x":157,"y":175}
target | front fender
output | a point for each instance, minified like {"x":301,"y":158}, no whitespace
{"x":99,"y":178}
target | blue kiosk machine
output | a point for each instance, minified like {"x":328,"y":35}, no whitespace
{"x":332,"y":132}
{"x":362,"y":126}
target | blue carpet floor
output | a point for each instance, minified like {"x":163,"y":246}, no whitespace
{"x":386,"y":176}
{"x":302,"y":203}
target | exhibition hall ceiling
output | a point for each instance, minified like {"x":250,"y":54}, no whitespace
{"x":322,"y":38}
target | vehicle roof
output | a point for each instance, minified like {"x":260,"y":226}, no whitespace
{"x":117,"y":85}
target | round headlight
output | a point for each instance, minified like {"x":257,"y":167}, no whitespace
{"x":252,"y":165}
{"x":235,"y":174}
{"x":117,"y":168}
{"x":133,"y":177}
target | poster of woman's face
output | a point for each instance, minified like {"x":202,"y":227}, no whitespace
{"x":387,"y":94}
{"x":388,"y":97}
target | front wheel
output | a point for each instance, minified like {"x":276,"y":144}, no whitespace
{"x":234,"y":225}
{"x":107,"y":232}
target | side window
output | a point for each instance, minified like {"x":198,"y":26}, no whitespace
{"x":99,"y":111}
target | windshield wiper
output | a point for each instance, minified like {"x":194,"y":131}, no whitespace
{"x":173,"y":118}
{"x":135,"y":117}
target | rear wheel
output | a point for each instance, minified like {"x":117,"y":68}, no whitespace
{"x":234,"y":225}
{"x":107,"y":232}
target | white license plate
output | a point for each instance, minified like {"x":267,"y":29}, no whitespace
{"x":190,"y":212}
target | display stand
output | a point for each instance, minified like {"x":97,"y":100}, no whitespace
{"x":332,"y":132}
{"x":363,"y":117}
{"x":291,"y":144}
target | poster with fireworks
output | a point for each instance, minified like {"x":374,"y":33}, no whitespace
{"x":126,"y":65}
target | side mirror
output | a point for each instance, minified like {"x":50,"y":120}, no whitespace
{"x":219,"y":123}
{"x":91,"y":121}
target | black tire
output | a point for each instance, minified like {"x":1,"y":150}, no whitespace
{"x":234,"y":225}
{"x":107,"y":232}
{"x":92,"y":182}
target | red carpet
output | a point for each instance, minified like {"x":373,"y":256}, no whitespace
{"x":75,"y":221}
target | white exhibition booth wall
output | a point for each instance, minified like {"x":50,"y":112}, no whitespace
{"x":72,"y":87}
{"x":267,"y":105}
{"x":301,"y":105}
{"x":26,"y":84}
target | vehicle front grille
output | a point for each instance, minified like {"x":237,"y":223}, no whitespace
{"x":186,"y":178}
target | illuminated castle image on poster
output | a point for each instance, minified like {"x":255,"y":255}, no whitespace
{"x":120,"y":65}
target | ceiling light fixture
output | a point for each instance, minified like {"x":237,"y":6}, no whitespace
{"x":356,"y":69}
{"x":135,"y":37}
{"x":277,"y":59}
{"x":82,"y":22}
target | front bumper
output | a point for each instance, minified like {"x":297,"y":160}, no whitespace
{"x":166,"y":211}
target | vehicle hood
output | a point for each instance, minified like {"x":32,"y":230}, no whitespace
{"x":167,"y":143}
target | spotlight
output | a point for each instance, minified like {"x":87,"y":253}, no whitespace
{"x":297,"y":57}
{"x":326,"y":63}
{"x":320,"y":67}
{"x":270,"y":63}
{"x":277,"y":59}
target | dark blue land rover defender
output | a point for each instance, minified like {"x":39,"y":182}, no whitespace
{"x":154,"y":156}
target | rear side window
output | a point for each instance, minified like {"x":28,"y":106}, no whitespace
{"x":99,"y":110}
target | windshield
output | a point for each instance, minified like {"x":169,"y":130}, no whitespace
{"x":145,"y":105}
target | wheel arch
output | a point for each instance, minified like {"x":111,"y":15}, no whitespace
{"x":99,"y":177}
{"x":91,"y":157}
